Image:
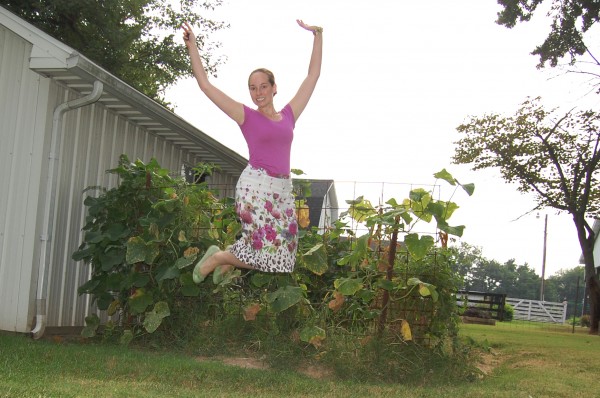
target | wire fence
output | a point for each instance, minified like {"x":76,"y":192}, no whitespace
{"x":336,"y":200}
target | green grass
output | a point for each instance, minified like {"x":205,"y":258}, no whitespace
{"x":522,"y":361}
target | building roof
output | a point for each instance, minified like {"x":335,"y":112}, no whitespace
{"x":54,"y":59}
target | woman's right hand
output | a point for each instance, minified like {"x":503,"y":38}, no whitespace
{"x":189,"y":38}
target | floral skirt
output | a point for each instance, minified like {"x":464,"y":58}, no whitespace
{"x":266,"y":208}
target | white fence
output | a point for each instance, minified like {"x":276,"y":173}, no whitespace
{"x":539,"y":311}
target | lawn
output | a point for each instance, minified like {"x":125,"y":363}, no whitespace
{"x":519,"y":360}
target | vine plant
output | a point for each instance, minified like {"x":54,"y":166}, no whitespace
{"x":143,"y":237}
{"x":359,"y":276}
{"x":141,"y":240}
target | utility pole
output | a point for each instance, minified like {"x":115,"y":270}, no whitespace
{"x":544,"y":257}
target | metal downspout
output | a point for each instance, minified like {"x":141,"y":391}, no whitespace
{"x":59,"y":111}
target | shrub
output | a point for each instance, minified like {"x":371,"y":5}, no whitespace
{"x":584,"y":321}
{"x":509,"y":312}
{"x":141,"y":240}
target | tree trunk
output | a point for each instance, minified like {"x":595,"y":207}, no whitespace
{"x":591,"y":278}
{"x":594,"y":295}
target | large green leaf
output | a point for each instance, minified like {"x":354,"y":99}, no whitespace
{"x":315,"y":260}
{"x":413,"y":281}
{"x":419,"y":208}
{"x":261,"y":279}
{"x":420,"y":195}
{"x":285,"y":297}
{"x":91,"y":325}
{"x":139,"y":279}
{"x":108,"y":260}
{"x":183,"y":262}
{"x":469,"y":188}
{"x":116,"y":232}
{"x":451,"y":207}
{"x":366,"y":295}
{"x":418,"y":246}
{"x":348,"y":286}
{"x":171,"y":272}
{"x":361,"y":209}
{"x":117,"y":281}
{"x":88,"y":287}
{"x":140,"y":301}
{"x":88,"y":251}
{"x":446,"y":176}
{"x":358,"y":253}
{"x":456,"y":231}
{"x":136,"y":250}
{"x":104,"y":300}
{"x":386,"y":285}
{"x":312,"y":334}
{"x":94,"y":236}
{"x":154,"y":318}
{"x":425,"y":289}
{"x":140,"y":251}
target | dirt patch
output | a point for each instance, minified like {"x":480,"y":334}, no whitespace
{"x":316,"y":372}
{"x":249,"y":363}
{"x":242,"y":362}
{"x":488,"y":361}
{"x":528,"y":359}
{"x":312,"y":371}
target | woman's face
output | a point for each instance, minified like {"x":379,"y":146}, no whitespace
{"x":261,"y":90}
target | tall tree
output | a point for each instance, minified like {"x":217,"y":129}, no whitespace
{"x":481,"y":274}
{"x":554,"y":157}
{"x":132,"y":39}
{"x":570,"y":19}
{"x":464,"y":260}
{"x":562,"y":286}
{"x":520,"y":281}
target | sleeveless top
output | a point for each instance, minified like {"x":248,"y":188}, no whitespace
{"x":269,"y":141}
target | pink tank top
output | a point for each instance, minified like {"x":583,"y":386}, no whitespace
{"x":269,"y":142}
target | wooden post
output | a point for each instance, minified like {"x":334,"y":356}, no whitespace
{"x":389,"y":275}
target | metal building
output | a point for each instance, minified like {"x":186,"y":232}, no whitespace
{"x":64,"y":121}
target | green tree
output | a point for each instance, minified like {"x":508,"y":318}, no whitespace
{"x":489,"y":276}
{"x":464,"y":260}
{"x":570,"y":20}
{"x":554,"y":157}
{"x":563,"y":286}
{"x":480,"y":274}
{"x":519,"y":281}
{"x":133,"y":39}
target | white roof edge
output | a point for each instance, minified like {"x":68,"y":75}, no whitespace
{"x":88,"y":70}
{"x":43,"y":43}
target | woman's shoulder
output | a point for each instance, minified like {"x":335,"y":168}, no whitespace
{"x":287,"y":109}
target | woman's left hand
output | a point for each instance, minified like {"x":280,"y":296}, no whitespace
{"x":312,"y":28}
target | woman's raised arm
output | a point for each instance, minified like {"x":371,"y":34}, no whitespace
{"x":300,"y":100}
{"x":232,"y":108}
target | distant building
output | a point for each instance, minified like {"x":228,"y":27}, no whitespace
{"x":322,"y":203}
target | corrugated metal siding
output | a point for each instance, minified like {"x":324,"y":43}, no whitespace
{"x":93,"y":138}
{"x":21,"y":152}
